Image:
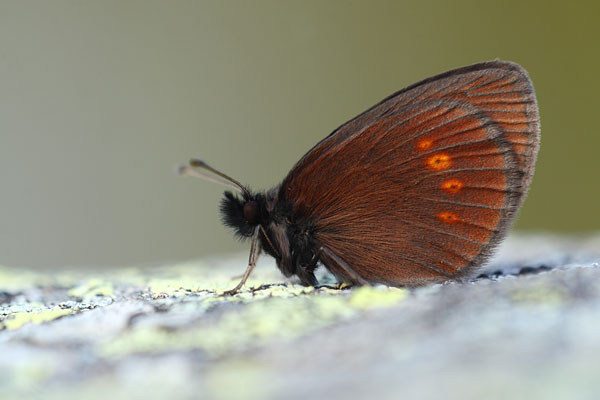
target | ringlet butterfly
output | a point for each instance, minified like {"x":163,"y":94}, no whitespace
{"x":420,"y":188}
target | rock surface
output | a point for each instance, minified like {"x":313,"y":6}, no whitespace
{"x":527,"y":327}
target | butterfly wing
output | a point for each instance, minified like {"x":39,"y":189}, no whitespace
{"x":423,"y":185}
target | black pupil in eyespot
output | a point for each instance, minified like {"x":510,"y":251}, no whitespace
{"x":251,"y":212}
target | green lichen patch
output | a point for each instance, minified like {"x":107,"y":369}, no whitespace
{"x":238,"y":379}
{"x":368,"y":297}
{"x":18,"y":319}
{"x":172,"y":287}
{"x":15,"y":280}
{"x":93,"y":287}
{"x":272,"y":313}
{"x":540,"y":295}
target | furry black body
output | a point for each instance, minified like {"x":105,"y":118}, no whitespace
{"x":285,"y":236}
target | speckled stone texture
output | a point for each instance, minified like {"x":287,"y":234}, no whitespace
{"x":527,"y":327}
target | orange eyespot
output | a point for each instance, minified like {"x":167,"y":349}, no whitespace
{"x":424,"y":144}
{"x":448,"y":217}
{"x":438,"y":162}
{"x":452,"y":185}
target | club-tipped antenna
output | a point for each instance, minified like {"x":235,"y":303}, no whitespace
{"x":189,"y":171}
{"x":222,"y":178}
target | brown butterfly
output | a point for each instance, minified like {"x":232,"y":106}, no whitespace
{"x":419,"y":188}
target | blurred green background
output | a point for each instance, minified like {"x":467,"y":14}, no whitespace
{"x":99,"y":100}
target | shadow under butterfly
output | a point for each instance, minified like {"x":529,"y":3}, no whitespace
{"x":420,"y":188}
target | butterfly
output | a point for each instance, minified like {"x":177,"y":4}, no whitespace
{"x":418,"y":189}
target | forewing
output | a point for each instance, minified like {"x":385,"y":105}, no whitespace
{"x":420,"y":187}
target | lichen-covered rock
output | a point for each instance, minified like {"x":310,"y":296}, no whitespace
{"x":527,"y":326}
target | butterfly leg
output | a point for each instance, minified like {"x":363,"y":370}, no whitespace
{"x":349,"y":272}
{"x":254,"y":252}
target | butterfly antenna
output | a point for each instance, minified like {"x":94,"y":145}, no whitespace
{"x":221,"y":178}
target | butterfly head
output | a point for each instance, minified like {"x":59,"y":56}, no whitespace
{"x":243,"y":213}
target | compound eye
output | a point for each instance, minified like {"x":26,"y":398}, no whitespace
{"x":251,"y":212}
